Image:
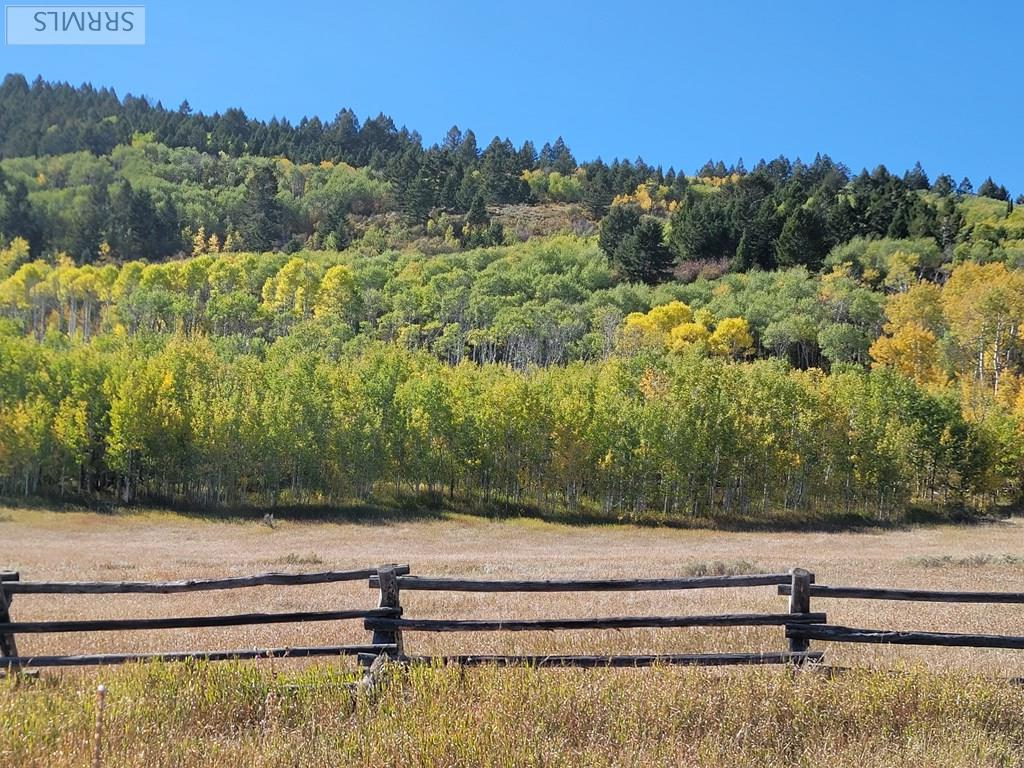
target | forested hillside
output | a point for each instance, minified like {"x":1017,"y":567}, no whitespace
{"x":220,"y":310}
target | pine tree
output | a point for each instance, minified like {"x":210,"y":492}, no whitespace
{"x":419,"y":199}
{"x":916,"y":178}
{"x":262,"y":221}
{"x":943,"y":185}
{"x":620,"y":222}
{"x":641,"y":254}
{"x":802,"y":240}
{"x":478,"y":216}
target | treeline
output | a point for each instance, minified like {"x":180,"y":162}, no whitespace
{"x":102,"y":178}
{"x":519,"y":375}
{"x":674,"y":436}
{"x":545,"y":302}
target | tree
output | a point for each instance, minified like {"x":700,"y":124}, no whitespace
{"x":418,"y":200}
{"x":916,"y":178}
{"x":702,"y":229}
{"x":338,"y":294}
{"x":643,"y":255}
{"x":17,"y":217}
{"x":802,"y":240}
{"x":636,"y":244}
{"x":913,"y":350}
{"x":620,"y":222}
{"x":944,"y":185}
{"x":478,"y":216}
{"x":261,"y":226}
{"x":731,"y":338}
{"x":989,"y":188}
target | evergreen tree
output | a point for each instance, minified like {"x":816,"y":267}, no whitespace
{"x":596,"y":190}
{"x":89,"y":227}
{"x":989,"y":189}
{"x":916,"y":178}
{"x":621,"y":221}
{"x":642,"y":254}
{"x":261,"y":226}
{"x":478,"y":216}
{"x":419,"y":199}
{"x":17,"y":217}
{"x":943,"y":185}
{"x":802,"y":240}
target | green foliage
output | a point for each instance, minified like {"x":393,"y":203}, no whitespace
{"x":304,"y":420}
{"x":635,"y":244}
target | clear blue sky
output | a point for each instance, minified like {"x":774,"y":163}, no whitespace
{"x":674,"y":82}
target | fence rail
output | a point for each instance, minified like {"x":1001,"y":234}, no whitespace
{"x":619,"y":622}
{"x":190,"y":622}
{"x":195,"y":585}
{"x":591,"y":585}
{"x":913,"y":595}
{"x":387,"y":621}
{"x":898,"y":637}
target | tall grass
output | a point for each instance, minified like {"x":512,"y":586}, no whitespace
{"x":251,"y":715}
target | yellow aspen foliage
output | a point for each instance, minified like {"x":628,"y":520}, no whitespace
{"x":913,"y":350}
{"x":337,"y":292}
{"x":653,"y":328}
{"x":643,"y":198}
{"x":984,"y":306}
{"x":704,"y":316}
{"x":731,"y":338}
{"x":13,"y":255}
{"x":1019,"y":406}
{"x":655,"y":385}
{"x":668,"y":316}
{"x":648,"y":201}
{"x":199,"y":242}
{"x":902,"y":273}
{"x":213,"y":244}
{"x":921,"y":304}
{"x":686,"y":335}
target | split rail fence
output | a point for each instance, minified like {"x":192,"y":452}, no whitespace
{"x":388,"y":624}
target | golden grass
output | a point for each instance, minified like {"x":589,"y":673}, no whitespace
{"x":248,"y":715}
{"x":219,"y":714}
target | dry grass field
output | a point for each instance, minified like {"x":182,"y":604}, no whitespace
{"x":946,"y":705}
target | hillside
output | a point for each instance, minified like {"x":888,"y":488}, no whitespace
{"x":216,"y":310}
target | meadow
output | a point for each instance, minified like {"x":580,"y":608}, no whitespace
{"x":899,"y":706}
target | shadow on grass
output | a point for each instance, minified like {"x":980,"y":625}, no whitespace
{"x":422,"y":507}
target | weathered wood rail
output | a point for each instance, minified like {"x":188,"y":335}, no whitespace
{"x":804,"y":633}
{"x":387,"y":623}
{"x":390,"y":629}
{"x":11,"y":585}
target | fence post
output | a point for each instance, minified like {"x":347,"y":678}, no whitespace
{"x":800,"y":602}
{"x":387,"y":576}
{"x":8,"y":646}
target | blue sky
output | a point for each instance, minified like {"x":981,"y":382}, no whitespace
{"x":674,"y":82}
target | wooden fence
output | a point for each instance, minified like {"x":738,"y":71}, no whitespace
{"x":11,"y":585}
{"x":388,"y":624}
{"x":833,"y":633}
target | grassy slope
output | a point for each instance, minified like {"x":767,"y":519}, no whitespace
{"x":244,"y":716}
